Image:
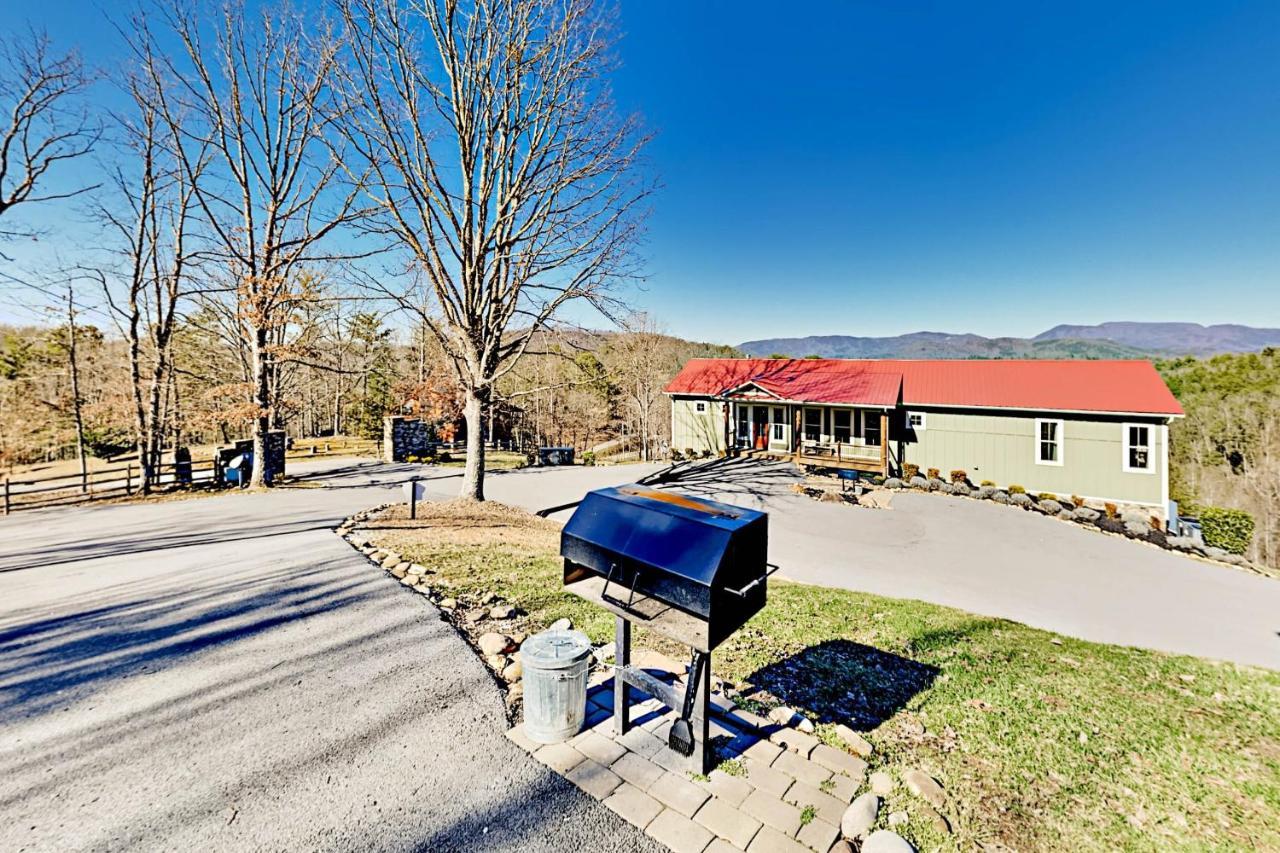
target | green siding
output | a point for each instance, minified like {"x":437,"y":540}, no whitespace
{"x":698,"y":430}
{"x":1002,"y":448}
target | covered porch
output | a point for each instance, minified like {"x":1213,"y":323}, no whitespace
{"x":824,"y":436}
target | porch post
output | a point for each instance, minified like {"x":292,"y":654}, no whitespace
{"x":884,"y":444}
{"x":796,"y":415}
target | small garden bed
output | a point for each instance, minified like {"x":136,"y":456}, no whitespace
{"x":1041,"y":742}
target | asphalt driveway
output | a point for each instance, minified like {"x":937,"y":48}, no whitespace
{"x":225,"y":673}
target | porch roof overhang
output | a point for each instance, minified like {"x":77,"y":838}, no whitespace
{"x":815,"y":388}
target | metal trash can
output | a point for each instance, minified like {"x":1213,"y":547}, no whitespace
{"x":555,"y":665}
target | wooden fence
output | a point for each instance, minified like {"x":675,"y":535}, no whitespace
{"x":70,"y":489}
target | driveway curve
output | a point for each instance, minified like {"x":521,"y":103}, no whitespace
{"x":224,"y":673}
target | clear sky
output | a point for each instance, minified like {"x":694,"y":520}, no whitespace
{"x":878,"y":168}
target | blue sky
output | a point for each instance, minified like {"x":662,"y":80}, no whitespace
{"x":859,"y":168}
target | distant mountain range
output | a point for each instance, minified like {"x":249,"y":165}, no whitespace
{"x":1106,"y":340}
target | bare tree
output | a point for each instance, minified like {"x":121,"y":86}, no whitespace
{"x":500,"y":165}
{"x":42,"y":126}
{"x":258,"y":91}
{"x":642,"y":361}
{"x":155,"y":240}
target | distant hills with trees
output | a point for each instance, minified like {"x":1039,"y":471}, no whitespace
{"x":1105,"y":340}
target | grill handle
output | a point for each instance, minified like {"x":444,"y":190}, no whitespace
{"x":629,"y":604}
{"x":742,"y":593}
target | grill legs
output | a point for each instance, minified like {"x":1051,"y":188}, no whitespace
{"x":625,"y":676}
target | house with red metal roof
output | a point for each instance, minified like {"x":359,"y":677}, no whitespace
{"x":1096,"y":429}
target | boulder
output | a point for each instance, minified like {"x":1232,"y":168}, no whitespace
{"x":925,"y":787}
{"x":984,"y":493}
{"x":1157,"y":537}
{"x":935,"y":484}
{"x":1111,"y":525}
{"x":860,"y":816}
{"x":1181,"y":543}
{"x":502,"y":611}
{"x":560,"y":625}
{"x":884,"y":841}
{"x":1050,"y":507}
{"x":1086,"y":514}
{"x":918,"y":482}
{"x":961,"y":489}
{"x":399,"y":570}
{"x":881,"y":783}
{"x":856,"y":743}
{"x":1000,"y":496}
{"x":1235,"y":560}
{"x":1021,"y":500}
{"x":893,"y":483}
{"x":947,"y":488}
{"x":448,"y":603}
{"x":1214,"y":553}
{"x":493,"y":643}
{"x":1136,"y":517}
{"x":1136,"y":529}
{"x":417,"y":569}
{"x":898,"y":818}
{"x":513,"y":671}
{"x":1067,"y":514}
{"x":782,"y":715}
{"x":606,"y":651}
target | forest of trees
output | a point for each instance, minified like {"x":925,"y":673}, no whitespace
{"x":1226,"y":451}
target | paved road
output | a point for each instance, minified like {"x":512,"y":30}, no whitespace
{"x":988,"y":559}
{"x":224,"y":673}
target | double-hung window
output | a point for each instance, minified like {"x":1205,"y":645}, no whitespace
{"x":915,"y":420}
{"x":1048,"y":442}
{"x":779,"y":423}
{"x":842,"y":425}
{"x":1139,"y":453}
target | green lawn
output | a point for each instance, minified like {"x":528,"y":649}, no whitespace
{"x":1042,"y":742}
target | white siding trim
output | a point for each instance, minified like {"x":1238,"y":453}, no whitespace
{"x":1164,"y":464}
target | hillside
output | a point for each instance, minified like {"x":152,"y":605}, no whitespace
{"x":1105,"y":340}
{"x":937,"y":345}
{"x":1179,"y":338}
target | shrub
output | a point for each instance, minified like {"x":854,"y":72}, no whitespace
{"x":910,"y":471}
{"x":690,"y":453}
{"x":707,"y":454}
{"x":1046,"y":496}
{"x":988,"y":484}
{"x":1110,"y":509}
{"x":676,"y":455}
{"x":959,"y":475}
{"x":446,"y":456}
{"x":1077,"y":501}
{"x":589,"y":458}
{"x":1015,"y":489}
{"x":1228,"y":529}
{"x":412,"y":459}
{"x":934,"y":474}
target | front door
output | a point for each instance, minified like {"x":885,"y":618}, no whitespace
{"x":760,"y":427}
{"x":744,"y":426}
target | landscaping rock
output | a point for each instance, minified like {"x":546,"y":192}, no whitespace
{"x":860,"y":816}
{"x":961,"y":490}
{"x":502,"y":611}
{"x":985,"y":493}
{"x":1086,"y":514}
{"x":1135,"y":516}
{"x":925,"y":787}
{"x":947,"y":489}
{"x":397,"y":571}
{"x":893,"y":483}
{"x":494,"y":643}
{"x":1111,"y":525}
{"x":935,"y":484}
{"x":782,"y":715}
{"x":448,"y":603}
{"x":513,"y":671}
{"x":918,"y":482}
{"x":881,"y":783}
{"x":1181,"y":543}
{"x":1214,"y":553}
{"x":408,"y":581}
{"x":417,"y":569}
{"x":1234,"y":560}
{"x":1067,"y":514}
{"x":496,"y":662}
{"x":560,"y":625}
{"x":1000,"y":496}
{"x":884,"y":841}
{"x":1136,"y":529}
{"x":803,"y":724}
{"x":1050,"y":507}
{"x":1157,"y":537}
{"x":898,"y":818}
{"x":1021,"y":500}
{"x":606,"y":651}
{"x":857,"y":744}
{"x":939,"y":820}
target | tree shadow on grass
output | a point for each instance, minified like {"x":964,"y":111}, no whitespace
{"x":840,"y":681}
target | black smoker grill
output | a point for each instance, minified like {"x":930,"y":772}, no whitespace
{"x":690,"y":569}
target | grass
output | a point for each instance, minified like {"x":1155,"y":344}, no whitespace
{"x":1042,"y":742}
{"x":494,"y":460}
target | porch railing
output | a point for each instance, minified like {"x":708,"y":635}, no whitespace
{"x":840,"y":451}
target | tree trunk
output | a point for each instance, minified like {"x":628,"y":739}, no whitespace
{"x":262,"y":402}
{"x":473,"y":479}
{"x":75,"y":391}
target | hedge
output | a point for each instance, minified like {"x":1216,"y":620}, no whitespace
{"x":1228,"y":529}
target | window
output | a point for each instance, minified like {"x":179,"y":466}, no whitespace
{"x":871,"y":428}
{"x":1139,"y":456}
{"x":812,"y":424}
{"x":779,"y":424}
{"x":702,"y":407}
{"x":1048,"y":442}
{"x":915,"y":420}
{"x":842,"y":425}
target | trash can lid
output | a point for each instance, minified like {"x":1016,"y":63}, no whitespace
{"x":554,"y":649}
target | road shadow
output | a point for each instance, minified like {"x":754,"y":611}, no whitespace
{"x":840,"y":681}
{"x":728,"y":478}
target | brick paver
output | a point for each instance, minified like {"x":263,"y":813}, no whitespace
{"x":679,"y":833}
{"x":778,"y":772}
{"x":633,"y":805}
{"x":728,"y":822}
{"x":679,"y":793}
{"x":771,"y":811}
{"x":594,"y":778}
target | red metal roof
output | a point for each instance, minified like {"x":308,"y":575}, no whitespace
{"x":1062,"y":386}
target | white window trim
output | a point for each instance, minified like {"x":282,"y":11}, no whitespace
{"x":1060,"y":436}
{"x":922,"y":416}
{"x":1126,"y":447}
{"x":700,"y":406}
